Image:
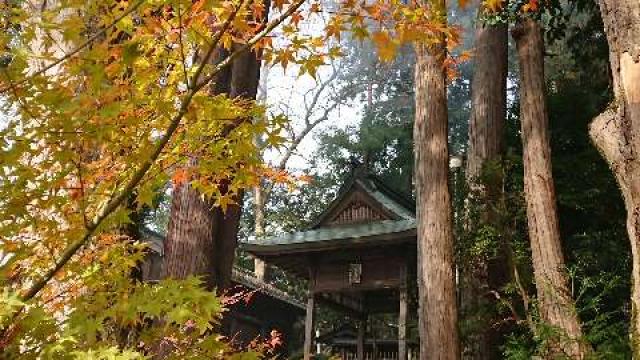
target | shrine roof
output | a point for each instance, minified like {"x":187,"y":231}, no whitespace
{"x":327,"y":237}
{"x":398,"y":205}
{"x":365,"y":211}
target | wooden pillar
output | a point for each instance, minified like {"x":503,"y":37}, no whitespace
{"x":309,"y":334}
{"x":402,"y":320}
{"x":362,"y":324}
{"x":374,"y":344}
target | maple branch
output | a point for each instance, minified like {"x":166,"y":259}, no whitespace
{"x":182,"y":55}
{"x":75,"y":51}
{"x":254,"y":40}
{"x":116,"y":201}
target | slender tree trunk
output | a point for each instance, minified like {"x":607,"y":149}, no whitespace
{"x":554,"y":298}
{"x":436,"y":282}
{"x":486,"y":134}
{"x":261,"y":269}
{"x":488,"y":96}
{"x":260,"y":194}
{"x":245,"y":76}
{"x":616,"y":132}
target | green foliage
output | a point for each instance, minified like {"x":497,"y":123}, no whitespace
{"x":102,"y":106}
{"x":605,"y":330}
{"x":102,"y":313}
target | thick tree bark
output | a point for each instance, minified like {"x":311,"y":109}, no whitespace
{"x":556,"y":306}
{"x":486,"y":134}
{"x":201,"y":239}
{"x":616,"y":132}
{"x":189,"y":243}
{"x":436,"y":282}
{"x":488,"y":96}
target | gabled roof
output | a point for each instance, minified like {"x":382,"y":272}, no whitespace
{"x":397,"y":206}
{"x":365,"y":211}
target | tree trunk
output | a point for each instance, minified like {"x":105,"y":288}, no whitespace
{"x":260,"y":193}
{"x":260,"y":267}
{"x":488,"y":96}
{"x":190,"y":237}
{"x":616,"y":132}
{"x":556,"y":306}
{"x":436,"y":282}
{"x":201,"y":239}
{"x":486,"y":138}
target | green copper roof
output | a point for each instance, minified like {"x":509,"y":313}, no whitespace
{"x":319,"y":236}
{"x":344,"y":234}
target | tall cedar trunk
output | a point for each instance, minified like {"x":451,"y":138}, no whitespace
{"x":554,"y":298}
{"x":436,"y":282}
{"x":201,"y":239}
{"x":486,"y":134}
{"x":616,"y":132}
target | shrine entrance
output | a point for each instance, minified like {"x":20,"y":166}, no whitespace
{"x":359,"y":258}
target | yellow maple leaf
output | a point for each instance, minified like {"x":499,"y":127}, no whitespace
{"x":385,"y":45}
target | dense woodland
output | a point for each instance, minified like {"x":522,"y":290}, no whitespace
{"x":514,"y":126}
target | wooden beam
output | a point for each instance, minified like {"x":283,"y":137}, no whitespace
{"x":349,"y":305}
{"x":309,"y":333}
{"x":362,"y":324}
{"x":402,"y":320}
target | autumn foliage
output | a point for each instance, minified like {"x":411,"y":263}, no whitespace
{"x":104,"y":103}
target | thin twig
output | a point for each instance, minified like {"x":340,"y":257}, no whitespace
{"x":182,"y":55}
{"x":89,"y":41}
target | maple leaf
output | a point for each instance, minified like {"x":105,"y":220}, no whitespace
{"x":315,"y":8}
{"x":180,"y":177}
{"x":531,"y":6}
{"x":463,"y":3}
{"x":385,"y":46}
{"x":279,"y":4}
{"x":334,"y":28}
{"x":295,"y":18}
{"x":493,"y":5}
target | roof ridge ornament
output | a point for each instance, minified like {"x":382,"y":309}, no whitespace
{"x":358,"y":168}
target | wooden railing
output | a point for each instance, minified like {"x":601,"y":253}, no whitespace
{"x":381,"y":355}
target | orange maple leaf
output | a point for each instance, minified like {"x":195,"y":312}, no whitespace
{"x":180,"y":177}
{"x":295,"y":18}
{"x":463,"y":3}
{"x":493,"y":5}
{"x":531,"y":6}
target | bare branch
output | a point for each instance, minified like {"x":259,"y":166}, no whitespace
{"x":296,"y":139}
